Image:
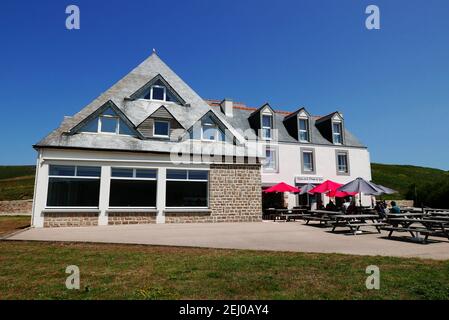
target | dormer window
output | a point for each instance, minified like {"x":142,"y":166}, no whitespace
{"x":210,"y":131}
{"x":267,"y":126}
{"x":303,"y":133}
{"x":337,"y":132}
{"x":107,"y":122}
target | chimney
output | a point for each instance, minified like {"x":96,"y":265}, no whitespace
{"x":226,"y":107}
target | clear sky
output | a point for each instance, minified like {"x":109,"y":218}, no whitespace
{"x":392,"y":84}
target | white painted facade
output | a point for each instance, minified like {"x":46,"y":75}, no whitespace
{"x":289,"y":167}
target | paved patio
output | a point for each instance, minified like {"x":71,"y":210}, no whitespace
{"x":291,"y":236}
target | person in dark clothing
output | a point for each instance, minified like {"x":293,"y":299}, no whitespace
{"x":331,"y":206}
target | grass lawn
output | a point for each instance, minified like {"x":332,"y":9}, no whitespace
{"x":9,"y":224}
{"x":36,"y":270}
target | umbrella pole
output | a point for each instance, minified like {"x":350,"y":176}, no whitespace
{"x":360,"y":199}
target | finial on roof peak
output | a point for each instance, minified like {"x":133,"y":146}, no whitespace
{"x":154,"y":50}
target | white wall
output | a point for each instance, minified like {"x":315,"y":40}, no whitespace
{"x":290,"y":164}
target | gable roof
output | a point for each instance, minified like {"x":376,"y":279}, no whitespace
{"x":136,"y":110}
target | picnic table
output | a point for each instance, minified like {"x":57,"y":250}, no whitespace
{"x":355,"y":221}
{"x":322,"y":216}
{"x":284,"y":214}
{"x":405,"y":215}
{"x":418,"y":227}
{"x":438,"y":213}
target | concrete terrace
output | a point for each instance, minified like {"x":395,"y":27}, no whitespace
{"x":292,"y":236}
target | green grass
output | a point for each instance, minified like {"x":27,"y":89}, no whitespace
{"x":401,"y":177}
{"x":10,"y":224}
{"x":37,"y":271}
{"x":16,"y":182}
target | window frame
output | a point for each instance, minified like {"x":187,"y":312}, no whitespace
{"x":346,"y":154}
{"x":307,"y":130}
{"x":134,"y":177}
{"x":159,"y":135}
{"x":275,"y":159}
{"x":218,"y":132}
{"x":159,"y":87}
{"x":312,"y":152}
{"x":334,"y":133}
{"x":74,"y":176}
{"x":189,"y":180}
{"x":265,"y":128}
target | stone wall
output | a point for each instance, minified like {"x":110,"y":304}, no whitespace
{"x":16,"y":207}
{"x":75,"y":219}
{"x":401,"y":203}
{"x":116,"y":218}
{"x":235,"y":195}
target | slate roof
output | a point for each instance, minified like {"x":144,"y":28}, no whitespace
{"x":137,"y":111}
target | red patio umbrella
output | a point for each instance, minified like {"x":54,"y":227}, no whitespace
{"x":340,"y":194}
{"x":282,"y":187}
{"x":326,"y":186}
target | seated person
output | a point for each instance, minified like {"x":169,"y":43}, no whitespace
{"x":380,"y":209}
{"x":395,"y":208}
{"x":352,"y":208}
{"x":331,"y":206}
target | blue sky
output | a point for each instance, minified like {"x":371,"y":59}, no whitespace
{"x":392,"y":84}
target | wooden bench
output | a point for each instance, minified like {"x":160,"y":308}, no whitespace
{"x":413,"y":231}
{"x":309,"y":218}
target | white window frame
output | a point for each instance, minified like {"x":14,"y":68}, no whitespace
{"x":160,"y":87}
{"x":312,"y":161}
{"x":134,"y":177}
{"x":160,"y":135}
{"x":348,"y":167}
{"x":340,"y":134}
{"x":75,"y":176}
{"x":274,"y":151}
{"x":307,"y":131}
{"x":117,"y":124}
{"x":267,"y":128}
{"x":217,"y":132}
{"x":190,"y":180}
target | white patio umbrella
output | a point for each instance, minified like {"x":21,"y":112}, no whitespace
{"x":360,"y":186}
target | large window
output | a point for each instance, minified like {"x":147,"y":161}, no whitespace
{"x":187,"y":188}
{"x":270,"y":162}
{"x":133,"y":187}
{"x":308,"y":161}
{"x":73,"y":186}
{"x":267,"y":126}
{"x":303,"y":130}
{"x":337,"y":132}
{"x":342,"y":162}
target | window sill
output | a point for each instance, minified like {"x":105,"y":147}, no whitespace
{"x":130,"y":209}
{"x":71,"y":210}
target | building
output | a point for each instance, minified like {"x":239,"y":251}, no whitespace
{"x":151,"y":150}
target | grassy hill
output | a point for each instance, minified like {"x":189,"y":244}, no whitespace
{"x":16,"y":182}
{"x":402,"y":177}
